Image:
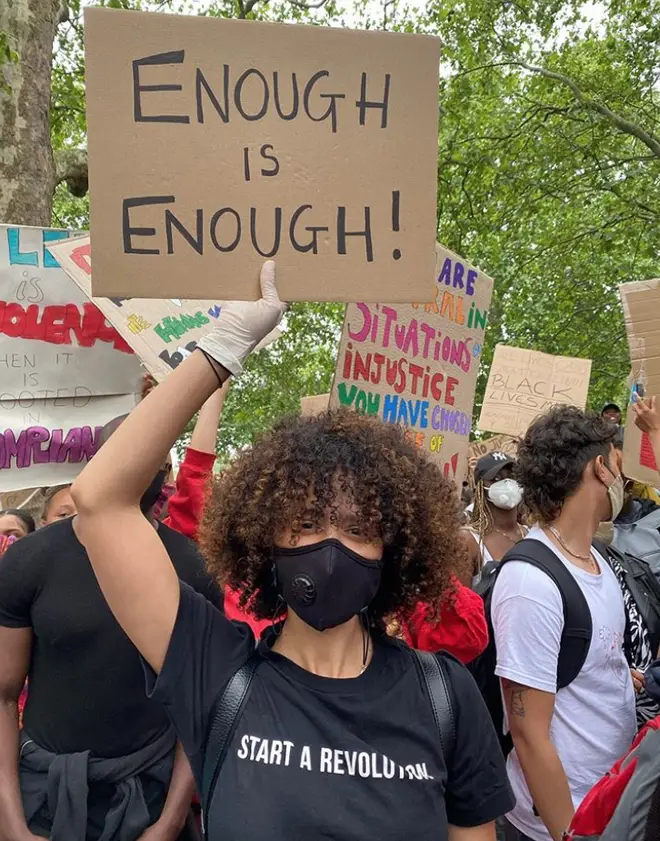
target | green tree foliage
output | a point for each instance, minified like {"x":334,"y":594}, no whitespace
{"x":548,"y":175}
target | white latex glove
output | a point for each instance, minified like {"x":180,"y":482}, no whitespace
{"x":243,"y":324}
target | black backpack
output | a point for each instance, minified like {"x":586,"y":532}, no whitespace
{"x":230,"y":706}
{"x":575,"y":638}
{"x":645,"y":589}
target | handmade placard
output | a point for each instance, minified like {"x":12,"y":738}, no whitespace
{"x":523,"y":384}
{"x":417,"y":364}
{"x":215,"y":144}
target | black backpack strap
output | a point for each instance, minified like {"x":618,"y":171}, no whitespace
{"x":578,"y":626}
{"x":224,"y":719}
{"x":435,"y":679}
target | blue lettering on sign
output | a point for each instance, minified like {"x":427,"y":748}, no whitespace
{"x":31,"y":258}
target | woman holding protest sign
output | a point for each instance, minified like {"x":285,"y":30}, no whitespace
{"x":328,"y":724}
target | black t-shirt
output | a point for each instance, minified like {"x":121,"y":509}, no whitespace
{"x":319,"y":758}
{"x":86,"y":685}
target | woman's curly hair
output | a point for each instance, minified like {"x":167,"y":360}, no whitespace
{"x":399,"y":496}
{"x":554,"y":453}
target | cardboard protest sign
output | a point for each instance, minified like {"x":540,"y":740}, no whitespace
{"x":495,"y":444}
{"x":417,"y":364}
{"x":54,"y":447}
{"x":641,"y":309}
{"x":162,"y":333}
{"x":214,"y":144}
{"x":314,"y":405}
{"x":57,"y":356}
{"x":523,"y":384}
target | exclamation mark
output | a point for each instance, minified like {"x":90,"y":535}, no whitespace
{"x":396,"y":224}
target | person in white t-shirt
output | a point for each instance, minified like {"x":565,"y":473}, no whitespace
{"x":565,"y":740}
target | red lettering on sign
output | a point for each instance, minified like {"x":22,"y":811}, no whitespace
{"x":81,"y":257}
{"x":55,"y":323}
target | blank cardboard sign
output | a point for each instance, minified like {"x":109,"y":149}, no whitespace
{"x":641,"y":310}
{"x":215,"y":144}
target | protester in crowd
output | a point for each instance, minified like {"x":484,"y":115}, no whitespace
{"x":563,"y":740}
{"x":461,"y":629}
{"x":611,"y":413}
{"x":57,"y":505}
{"x":494,"y":526}
{"x":15,"y":523}
{"x":97,"y":758}
{"x":347,"y":523}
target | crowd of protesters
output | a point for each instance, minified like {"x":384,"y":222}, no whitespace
{"x":247,"y":640}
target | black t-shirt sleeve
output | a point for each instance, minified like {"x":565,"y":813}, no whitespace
{"x":478,"y":789}
{"x":19,"y":574}
{"x":204,"y":652}
{"x":189,"y":565}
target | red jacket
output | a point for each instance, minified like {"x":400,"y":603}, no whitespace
{"x":462,"y":630}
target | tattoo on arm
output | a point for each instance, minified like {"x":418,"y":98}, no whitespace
{"x":517,"y":703}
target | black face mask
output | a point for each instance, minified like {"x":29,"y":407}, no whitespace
{"x":150,"y":496}
{"x":326,"y":583}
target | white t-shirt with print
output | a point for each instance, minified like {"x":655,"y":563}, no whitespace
{"x":594,"y":718}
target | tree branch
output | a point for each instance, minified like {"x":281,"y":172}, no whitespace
{"x":71,"y":166}
{"x":624,"y":125}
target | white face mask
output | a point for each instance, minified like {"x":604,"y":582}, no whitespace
{"x":506,"y":494}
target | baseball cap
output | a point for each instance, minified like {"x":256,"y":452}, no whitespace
{"x":489,"y":466}
{"x":610,"y":406}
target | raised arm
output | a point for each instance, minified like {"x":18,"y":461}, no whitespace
{"x":185,"y":506}
{"x":130,"y":562}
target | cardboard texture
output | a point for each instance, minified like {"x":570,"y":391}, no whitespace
{"x":417,"y":364}
{"x":216,"y":143}
{"x":64,"y":371}
{"x":523,"y":384}
{"x":641,"y":310}
{"x":496,"y":444}
{"x":314,"y":405}
{"x":162,"y":333}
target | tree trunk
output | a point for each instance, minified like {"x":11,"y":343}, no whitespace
{"x":27,"y":169}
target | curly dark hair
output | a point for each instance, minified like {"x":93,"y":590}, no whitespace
{"x":399,"y":495}
{"x":554,"y":453}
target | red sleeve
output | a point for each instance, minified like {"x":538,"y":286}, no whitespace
{"x":462,"y":629}
{"x":185,"y":506}
{"x":234,"y":612}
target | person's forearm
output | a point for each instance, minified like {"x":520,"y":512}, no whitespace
{"x":547,"y":783}
{"x":179,"y":795}
{"x":205,"y":433}
{"x":121,"y":471}
{"x":12,"y":817}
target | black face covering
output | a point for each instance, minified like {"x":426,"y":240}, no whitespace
{"x":326,"y":583}
{"x":150,"y":496}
